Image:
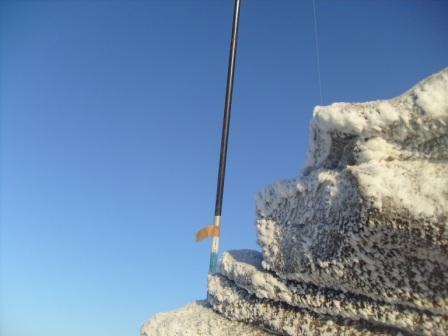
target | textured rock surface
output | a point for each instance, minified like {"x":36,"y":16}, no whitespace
{"x":197,"y":319}
{"x":357,"y":245}
{"x":237,"y":304}
{"x":244,"y":269}
{"x":369,"y":216}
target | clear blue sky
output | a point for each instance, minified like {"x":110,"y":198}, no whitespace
{"x":110,"y":126}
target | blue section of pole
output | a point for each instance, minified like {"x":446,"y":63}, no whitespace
{"x":213,"y":262}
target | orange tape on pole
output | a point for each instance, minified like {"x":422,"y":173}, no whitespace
{"x":208,"y":231}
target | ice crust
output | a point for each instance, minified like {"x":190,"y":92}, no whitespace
{"x":236,"y":303}
{"x":369,"y":215}
{"x":412,"y":123}
{"x":197,"y":319}
{"x":355,"y":245}
{"x":243,"y":268}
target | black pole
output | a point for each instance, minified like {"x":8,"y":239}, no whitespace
{"x":224,"y":139}
{"x":227,"y":110}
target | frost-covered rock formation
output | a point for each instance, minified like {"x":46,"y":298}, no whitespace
{"x":357,"y":245}
{"x":369,"y":215}
{"x":196,"y":319}
{"x":244,"y":268}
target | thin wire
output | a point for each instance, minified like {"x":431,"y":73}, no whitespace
{"x":316,"y":40}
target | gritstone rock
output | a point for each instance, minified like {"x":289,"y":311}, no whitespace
{"x":356,"y":245}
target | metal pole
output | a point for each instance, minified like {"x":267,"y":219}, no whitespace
{"x":225,"y":136}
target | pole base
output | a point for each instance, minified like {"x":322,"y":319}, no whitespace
{"x":213,"y":262}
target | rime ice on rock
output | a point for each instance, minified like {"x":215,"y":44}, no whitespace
{"x":243,"y":269}
{"x":369,"y":215}
{"x":236,"y":303}
{"x":357,"y":245}
{"x":196,"y":319}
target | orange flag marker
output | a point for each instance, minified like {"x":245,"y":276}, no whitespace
{"x":208,"y":231}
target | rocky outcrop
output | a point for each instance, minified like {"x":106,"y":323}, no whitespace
{"x":369,"y":216}
{"x":196,"y":319}
{"x":244,"y":269}
{"x":236,"y":303}
{"x":358,"y":244}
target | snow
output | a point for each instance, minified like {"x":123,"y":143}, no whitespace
{"x":433,"y":98}
{"x":421,"y":113}
{"x":344,"y":118}
{"x":368,"y":215}
{"x":196,"y":319}
{"x":377,"y":149}
{"x":236,"y":303}
{"x":270,"y":197}
{"x":376,"y":146}
{"x":243,"y":267}
{"x":418,"y":187}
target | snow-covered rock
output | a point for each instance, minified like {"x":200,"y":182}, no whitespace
{"x":197,"y":319}
{"x":356,"y":245}
{"x":369,"y":215}
{"x":236,"y":303}
{"x":244,"y":269}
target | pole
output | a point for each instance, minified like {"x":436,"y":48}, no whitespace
{"x":225,"y":137}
